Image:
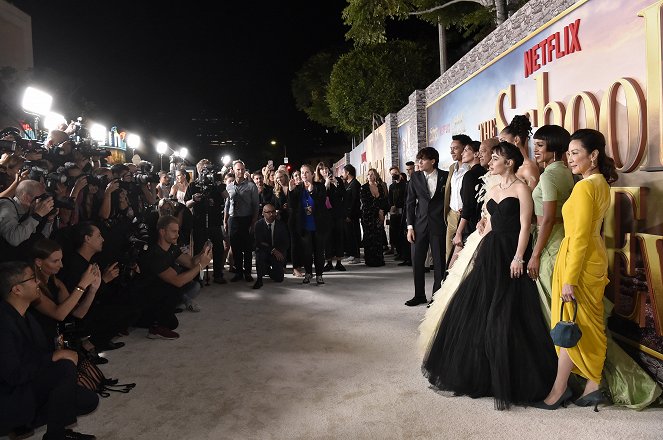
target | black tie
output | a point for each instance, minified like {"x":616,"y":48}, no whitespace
{"x":269,"y":229}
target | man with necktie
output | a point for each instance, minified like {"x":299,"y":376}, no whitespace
{"x":272,"y":241}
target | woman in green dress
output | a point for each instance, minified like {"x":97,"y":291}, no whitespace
{"x":554,"y":188}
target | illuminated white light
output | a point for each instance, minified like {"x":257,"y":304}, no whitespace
{"x":162,"y":147}
{"x":133,"y":140}
{"x":98,"y":132}
{"x":226,"y":160}
{"x":36,"y":101}
{"x":53,"y":121}
{"x":183,"y":152}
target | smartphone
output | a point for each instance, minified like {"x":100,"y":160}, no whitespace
{"x":270,"y":163}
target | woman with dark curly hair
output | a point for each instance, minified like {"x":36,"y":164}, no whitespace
{"x":518,"y":133}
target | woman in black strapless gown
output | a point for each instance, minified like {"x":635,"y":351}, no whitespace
{"x":493,"y":339}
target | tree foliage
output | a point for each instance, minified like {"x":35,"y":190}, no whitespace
{"x":309,"y":88}
{"x":376,"y":79}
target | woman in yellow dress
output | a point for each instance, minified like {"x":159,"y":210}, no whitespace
{"x":581,"y":269}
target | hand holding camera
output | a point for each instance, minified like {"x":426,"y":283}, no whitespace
{"x":112,"y":187}
{"x":44,"y":205}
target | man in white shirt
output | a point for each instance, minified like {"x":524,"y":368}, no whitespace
{"x":453,"y":203}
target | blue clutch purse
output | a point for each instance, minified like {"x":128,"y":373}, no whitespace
{"x":566,"y":333}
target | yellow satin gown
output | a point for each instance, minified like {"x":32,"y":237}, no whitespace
{"x":582,"y":262}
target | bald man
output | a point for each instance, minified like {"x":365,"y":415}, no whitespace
{"x":25,"y":218}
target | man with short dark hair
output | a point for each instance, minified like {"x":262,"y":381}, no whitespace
{"x":241,"y":213}
{"x":453,"y":203}
{"x":351,"y":201}
{"x":38,"y":385}
{"x":265,"y":192}
{"x":425,"y":204}
{"x":166,"y":287}
{"x":396,"y":199}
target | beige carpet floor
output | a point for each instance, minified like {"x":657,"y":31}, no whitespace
{"x":322,"y":362}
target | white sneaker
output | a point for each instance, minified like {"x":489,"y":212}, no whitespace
{"x":193,"y":307}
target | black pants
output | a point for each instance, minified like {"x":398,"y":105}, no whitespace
{"x":313,"y":250}
{"x":437,"y":245}
{"x":241,"y":243}
{"x":215,"y":235}
{"x":104,"y":321}
{"x":352,"y":237}
{"x":267,"y":264}
{"x":395,"y":232}
{"x":334,"y":242}
{"x":158,"y":302}
{"x":58,"y":398}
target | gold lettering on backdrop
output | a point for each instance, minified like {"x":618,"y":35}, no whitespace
{"x":653,"y":16}
{"x":510,"y":93}
{"x":545,"y":108}
{"x":637,"y":123}
{"x":618,"y":246}
{"x":591,"y":105}
{"x":487,"y":129}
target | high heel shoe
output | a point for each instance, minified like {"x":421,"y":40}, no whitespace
{"x":562,"y":401}
{"x":594,"y":398}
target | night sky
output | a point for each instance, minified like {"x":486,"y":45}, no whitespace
{"x":151,"y":67}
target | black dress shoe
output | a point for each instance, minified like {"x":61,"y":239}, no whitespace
{"x":328,"y":267}
{"x":237,"y":277}
{"x":248,"y":277}
{"x":340,"y":267}
{"x":319,"y":280}
{"x":307,"y":278}
{"x":258,"y":284}
{"x":110,"y":345}
{"x":220,"y":280}
{"x":73,"y":435}
{"x":97,"y":360}
{"x":415,"y":301}
{"x":405,"y":263}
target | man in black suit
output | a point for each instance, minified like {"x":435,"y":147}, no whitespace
{"x":425,"y":222}
{"x":272,"y":241}
{"x":37,"y":384}
{"x":352,"y":213}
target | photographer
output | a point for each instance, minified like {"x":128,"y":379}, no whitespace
{"x":110,"y":311}
{"x":164,"y":288}
{"x":205,"y":197}
{"x":11,"y":174}
{"x":24,"y":219}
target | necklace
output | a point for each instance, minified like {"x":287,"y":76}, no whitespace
{"x":508,"y":186}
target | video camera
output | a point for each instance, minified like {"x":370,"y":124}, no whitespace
{"x":210,"y":175}
{"x":18,"y":142}
{"x":145,"y":173}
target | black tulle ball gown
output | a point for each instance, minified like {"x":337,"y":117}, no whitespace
{"x":493,"y":339}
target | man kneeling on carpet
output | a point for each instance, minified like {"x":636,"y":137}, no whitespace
{"x":166,"y":285}
{"x":272,"y":241}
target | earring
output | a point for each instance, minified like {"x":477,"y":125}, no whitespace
{"x":39,"y":268}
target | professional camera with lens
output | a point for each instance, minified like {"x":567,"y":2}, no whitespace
{"x":18,"y":143}
{"x":145,"y":173}
{"x":89,"y":150}
{"x":138,"y":244}
{"x":209,"y":177}
{"x":57,"y":203}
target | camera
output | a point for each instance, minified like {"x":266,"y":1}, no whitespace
{"x":146,"y":177}
{"x":138,"y":243}
{"x":57,"y":203}
{"x":20,"y":143}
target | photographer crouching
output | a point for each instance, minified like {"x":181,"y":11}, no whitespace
{"x":163,"y":286}
{"x":206,"y":197}
{"x":24,"y":219}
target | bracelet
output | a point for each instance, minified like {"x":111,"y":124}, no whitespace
{"x":519,"y":260}
{"x":79,"y":288}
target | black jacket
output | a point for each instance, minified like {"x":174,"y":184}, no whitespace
{"x":281,"y":240}
{"x":320,"y":212}
{"x":426,"y":213}
{"x":351,"y":200}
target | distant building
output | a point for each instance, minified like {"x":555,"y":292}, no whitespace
{"x":15,"y":38}
{"x":217,"y":135}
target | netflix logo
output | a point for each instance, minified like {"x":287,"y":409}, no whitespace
{"x":555,"y":46}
